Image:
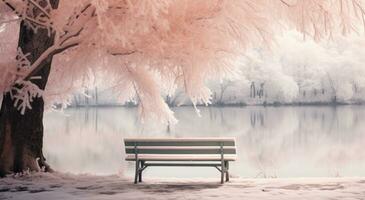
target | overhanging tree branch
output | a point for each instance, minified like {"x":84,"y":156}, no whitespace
{"x":36,"y":66}
{"x":68,"y":40}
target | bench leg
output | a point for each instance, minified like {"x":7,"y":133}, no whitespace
{"x":140,"y":172}
{"x":137,"y":171}
{"x":222,"y":172}
{"x":227,"y":169}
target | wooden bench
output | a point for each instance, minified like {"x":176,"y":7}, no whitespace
{"x":193,"y":152}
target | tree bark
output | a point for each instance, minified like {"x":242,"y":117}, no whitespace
{"x":21,"y":136}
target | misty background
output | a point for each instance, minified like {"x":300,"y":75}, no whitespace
{"x":294,"y":70}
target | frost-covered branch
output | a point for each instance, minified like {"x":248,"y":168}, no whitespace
{"x":358,"y":6}
{"x":322,"y":18}
{"x":36,"y":4}
{"x":24,"y":93}
{"x":8,"y":21}
{"x":35,"y":13}
{"x":70,"y":38}
{"x":24,"y":90}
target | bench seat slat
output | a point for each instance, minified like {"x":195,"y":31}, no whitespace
{"x":172,"y":150}
{"x":179,"y":142}
{"x":224,"y":139}
{"x":184,"y":164}
{"x":175,"y":157}
{"x":179,"y":147}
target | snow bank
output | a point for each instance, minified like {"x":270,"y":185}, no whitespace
{"x":58,"y":186}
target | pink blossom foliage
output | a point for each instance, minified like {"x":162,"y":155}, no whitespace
{"x":141,"y":47}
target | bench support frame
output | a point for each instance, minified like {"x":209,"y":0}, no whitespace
{"x":142,"y":165}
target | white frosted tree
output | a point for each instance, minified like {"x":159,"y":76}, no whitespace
{"x":137,"y":47}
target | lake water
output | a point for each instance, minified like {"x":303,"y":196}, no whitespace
{"x":310,"y":141}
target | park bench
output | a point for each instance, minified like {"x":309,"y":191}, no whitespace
{"x":192,"y":152}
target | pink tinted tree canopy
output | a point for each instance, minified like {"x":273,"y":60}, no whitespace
{"x":143,"y":47}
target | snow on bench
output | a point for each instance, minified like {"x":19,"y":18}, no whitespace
{"x":194,"y":152}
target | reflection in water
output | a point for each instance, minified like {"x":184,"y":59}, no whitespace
{"x":257,"y":117}
{"x":271,"y":141}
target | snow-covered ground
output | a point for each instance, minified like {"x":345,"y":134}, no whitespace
{"x":41,"y":186}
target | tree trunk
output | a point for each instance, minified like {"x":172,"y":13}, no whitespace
{"x":21,"y":136}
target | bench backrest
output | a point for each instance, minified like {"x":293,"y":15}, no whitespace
{"x":180,"y":146}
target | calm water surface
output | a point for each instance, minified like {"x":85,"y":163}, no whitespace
{"x":272,"y":141}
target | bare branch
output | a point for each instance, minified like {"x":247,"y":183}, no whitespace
{"x":286,"y":3}
{"x":9,"y":5}
{"x":123,"y":53}
{"x":40,"y":8}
